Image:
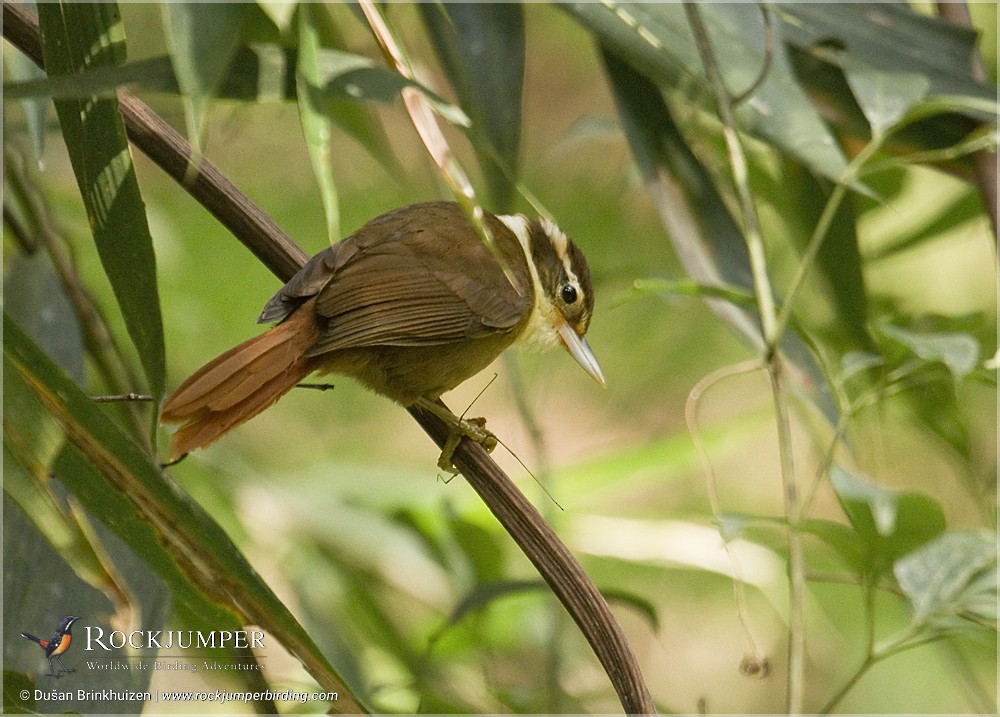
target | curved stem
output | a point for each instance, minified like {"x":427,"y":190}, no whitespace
{"x":771,"y":334}
{"x":848,"y":686}
{"x":712,"y":488}
{"x":741,"y":174}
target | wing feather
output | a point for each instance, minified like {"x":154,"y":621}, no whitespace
{"x":427,"y":300}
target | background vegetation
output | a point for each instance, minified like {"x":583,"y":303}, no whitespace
{"x":672,"y":487}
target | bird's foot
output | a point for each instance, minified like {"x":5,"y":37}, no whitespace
{"x":458,"y":428}
{"x":472,"y":428}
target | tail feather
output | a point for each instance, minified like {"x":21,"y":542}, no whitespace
{"x":233,"y":388}
{"x":43,"y":643}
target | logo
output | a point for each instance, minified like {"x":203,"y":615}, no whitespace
{"x":57,"y":645}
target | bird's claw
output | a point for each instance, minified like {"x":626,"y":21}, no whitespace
{"x":472,"y":428}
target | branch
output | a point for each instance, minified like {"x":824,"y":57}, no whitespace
{"x":556,"y":564}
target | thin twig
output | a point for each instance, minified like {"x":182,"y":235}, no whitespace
{"x":123,"y":397}
{"x":424,"y":121}
{"x":741,"y":176}
{"x":317,"y":386}
{"x":768,"y":56}
{"x":769,"y":325}
{"x":712,"y":488}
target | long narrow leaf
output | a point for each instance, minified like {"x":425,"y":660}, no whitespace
{"x":203,"y":38}
{"x":481,"y":47}
{"x":706,"y":237}
{"x":316,"y":126}
{"x":75,"y":36}
{"x":655,"y":39}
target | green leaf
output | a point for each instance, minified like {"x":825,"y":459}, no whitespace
{"x":889,"y":523}
{"x":16,"y":687}
{"x":124,"y":487}
{"x":280,"y":11}
{"x":34,"y":295}
{"x":706,"y":237}
{"x":845,"y":541}
{"x":264,"y":72}
{"x":481,"y":47}
{"x":891,"y":38}
{"x":953,"y":576}
{"x":838,"y":267}
{"x":482,"y":595}
{"x":654,"y":38}
{"x":202,"y":38}
{"x":483,"y":552}
{"x":316,"y":127}
{"x":884,"y":97}
{"x":959,"y":352}
{"x":854,"y":363}
{"x":687,"y":287}
{"x":20,"y":68}
{"x":99,"y":578}
{"x":152,"y":74}
{"x":871,"y":510}
{"x":75,"y":36}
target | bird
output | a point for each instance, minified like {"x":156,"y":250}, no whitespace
{"x":57,"y":645}
{"x":410,"y":305}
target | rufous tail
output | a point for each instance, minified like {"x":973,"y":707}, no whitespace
{"x":233,"y":388}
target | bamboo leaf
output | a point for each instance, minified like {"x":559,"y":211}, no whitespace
{"x":838,"y":265}
{"x":20,"y":68}
{"x":316,"y":127}
{"x":884,"y":97}
{"x":75,"y":36}
{"x":655,"y":40}
{"x":481,"y":47}
{"x":890,"y":37}
{"x":263,"y":72}
{"x":79,"y":567}
{"x":152,"y":74}
{"x":706,"y":237}
{"x":203,"y":38}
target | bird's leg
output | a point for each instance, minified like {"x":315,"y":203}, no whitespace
{"x":52,"y":670}
{"x":63,"y":665}
{"x":458,"y":428}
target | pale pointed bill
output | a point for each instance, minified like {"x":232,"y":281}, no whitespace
{"x":580,"y":350}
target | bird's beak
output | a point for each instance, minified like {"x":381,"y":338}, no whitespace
{"x":580,"y":350}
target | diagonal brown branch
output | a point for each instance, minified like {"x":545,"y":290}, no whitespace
{"x":553,"y":560}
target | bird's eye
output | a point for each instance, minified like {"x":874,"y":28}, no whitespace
{"x":568,"y":293}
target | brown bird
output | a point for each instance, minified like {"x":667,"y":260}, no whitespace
{"x":411,"y":305}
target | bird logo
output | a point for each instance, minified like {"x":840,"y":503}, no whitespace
{"x":56,"y":645}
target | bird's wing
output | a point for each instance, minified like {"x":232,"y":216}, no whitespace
{"x":398,"y":282}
